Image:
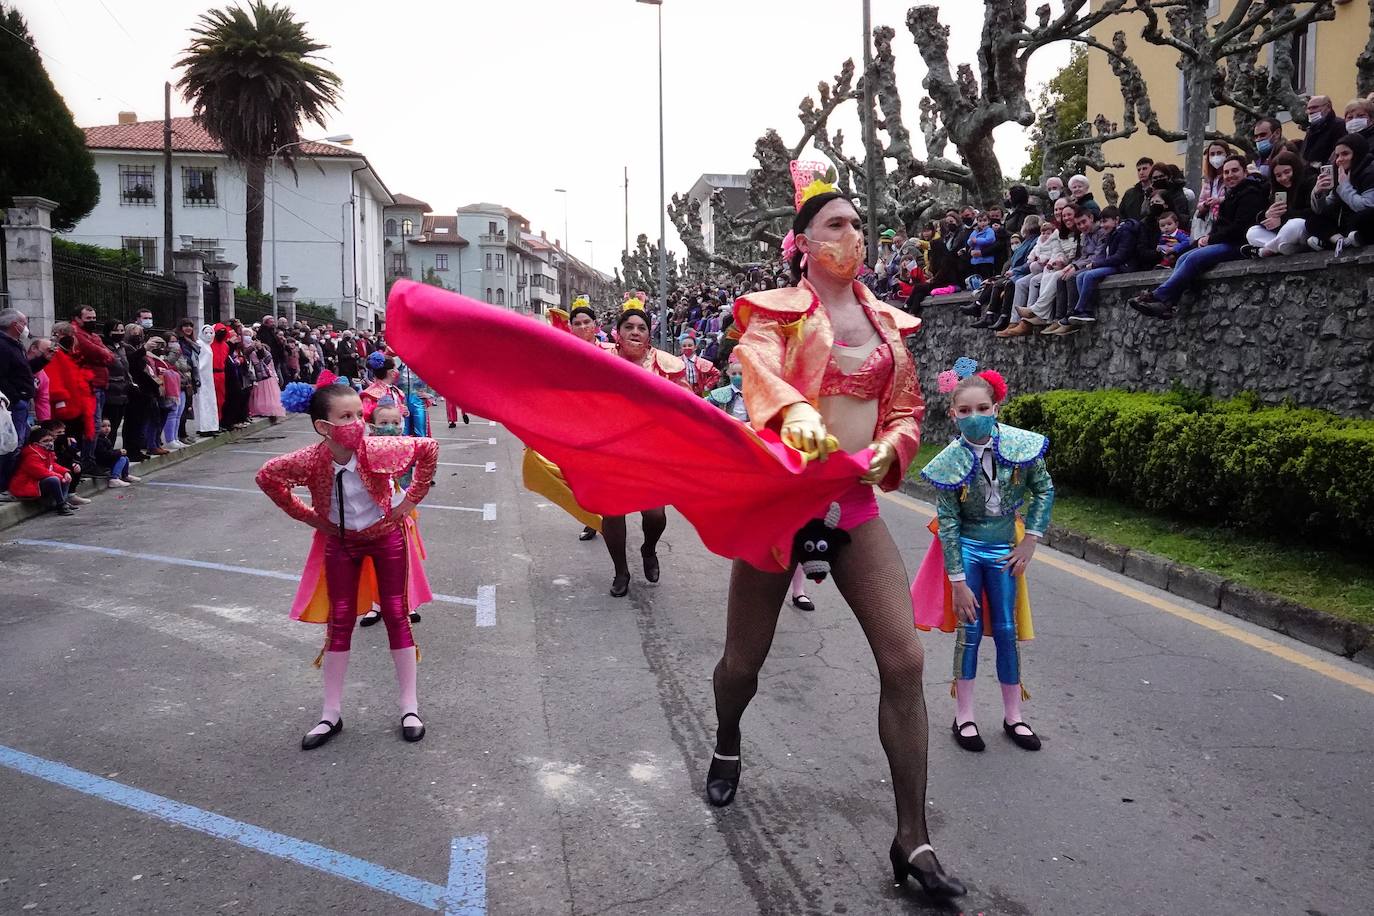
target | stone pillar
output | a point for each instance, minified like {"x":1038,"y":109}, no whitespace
{"x":226,"y":290}
{"x":286,"y":304}
{"x":189,"y":267}
{"x":28,"y":250}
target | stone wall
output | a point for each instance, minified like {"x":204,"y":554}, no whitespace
{"x":1297,"y":329}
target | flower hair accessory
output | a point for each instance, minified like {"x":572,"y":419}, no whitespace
{"x":949,"y":380}
{"x":999,"y":384}
{"x":375,"y":360}
{"x":789,"y":245}
{"x":633,"y":304}
{"x":965,"y":366}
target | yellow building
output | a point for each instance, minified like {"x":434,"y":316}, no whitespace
{"x":1324,"y":64}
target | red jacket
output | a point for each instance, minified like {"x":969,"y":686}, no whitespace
{"x":69,"y":392}
{"x":93,"y":356}
{"x":34,"y":464}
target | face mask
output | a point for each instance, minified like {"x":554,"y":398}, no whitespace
{"x":737,"y":381}
{"x":1316,"y":118}
{"x":349,"y":435}
{"x":386,"y":429}
{"x":1054,"y":193}
{"x":1264,"y":146}
{"x":977,"y":427}
{"x":843,"y":257}
{"x":47,"y":446}
{"x":145,"y":323}
{"x":1216,"y":161}
{"x":968,"y":221}
{"x":66,"y":343}
{"x":1355,"y":125}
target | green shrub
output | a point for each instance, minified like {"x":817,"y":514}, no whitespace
{"x":1280,"y":470}
{"x":110,"y":257}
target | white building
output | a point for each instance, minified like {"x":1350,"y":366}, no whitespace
{"x":500,"y":269}
{"x":735,"y":191}
{"x":403,"y":220}
{"x":329,"y":232}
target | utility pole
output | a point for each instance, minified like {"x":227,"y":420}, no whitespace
{"x":870,"y":141}
{"x":627,"y":210}
{"x":167,"y":179}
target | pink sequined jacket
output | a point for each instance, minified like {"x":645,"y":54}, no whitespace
{"x":785,"y":348}
{"x":380,"y":460}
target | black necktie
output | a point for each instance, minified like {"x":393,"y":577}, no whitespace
{"x":339,"y":500}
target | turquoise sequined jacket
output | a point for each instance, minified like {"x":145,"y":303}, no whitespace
{"x":1023,"y":482}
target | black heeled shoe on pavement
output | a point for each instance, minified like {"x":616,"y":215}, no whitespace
{"x":1029,"y":742}
{"x":651,"y":570}
{"x":414,"y":616}
{"x":932,"y":878}
{"x":412,"y":733}
{"x":466,"y":418}
{"x":370,"y":618}
{"x":973,"y":742}
{"x":620,"y":585}
{"x":312,"y":741}
{"x":588,"y":534}
{"x":722,"y":779}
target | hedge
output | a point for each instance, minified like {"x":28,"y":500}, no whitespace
{"x":1279,"y":470}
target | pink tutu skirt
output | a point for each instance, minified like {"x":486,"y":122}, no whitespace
{"x":265,"y":399}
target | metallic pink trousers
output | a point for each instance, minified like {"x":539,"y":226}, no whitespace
{"x":343,"y":563}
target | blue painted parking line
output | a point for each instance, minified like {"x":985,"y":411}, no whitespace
{"x":465,"y":895}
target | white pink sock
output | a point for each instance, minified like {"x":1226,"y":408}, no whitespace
{"x":334,"y":666}
{"x":405,"y":679}
{"x":963,"y":702}
{"x":798,"y":583}
{"x":1011,"y":706}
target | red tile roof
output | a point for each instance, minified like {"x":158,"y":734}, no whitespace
{"x":405,"y":200}
{"x":188,"y":136}
{"x":428,"y":235}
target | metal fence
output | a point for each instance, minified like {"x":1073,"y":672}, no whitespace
{"x":114,"y":293}
{"x":250,"y":310}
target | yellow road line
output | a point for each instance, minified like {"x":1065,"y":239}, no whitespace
{"x":1279,"y":650}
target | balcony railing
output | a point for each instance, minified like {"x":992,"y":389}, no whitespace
{"x":486,"y":238}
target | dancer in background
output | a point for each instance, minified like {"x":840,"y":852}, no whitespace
{"x":386,"y":421}
{"x":365,"y":539}
{"x":825,"y":367}
{"x":972,"y":580}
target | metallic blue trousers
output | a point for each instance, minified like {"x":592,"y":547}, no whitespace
{"x":984,"y":575}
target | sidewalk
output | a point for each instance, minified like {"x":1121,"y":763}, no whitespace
{"x":12,"y":513}
{"x":1345,"y":638}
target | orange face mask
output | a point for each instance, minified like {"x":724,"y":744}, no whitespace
{"x":842,"y":257}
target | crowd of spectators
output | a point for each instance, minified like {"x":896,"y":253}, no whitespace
{"x":96,"y":399}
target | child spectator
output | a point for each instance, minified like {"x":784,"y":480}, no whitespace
{"x":39,"y":476}
{"x":68,"y":451}
{"x":1172,"y":239}
{"x":110,"y":461}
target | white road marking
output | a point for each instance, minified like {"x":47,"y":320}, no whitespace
{"x":491,"y":467}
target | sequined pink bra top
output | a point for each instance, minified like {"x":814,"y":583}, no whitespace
{"x":866,"y":383}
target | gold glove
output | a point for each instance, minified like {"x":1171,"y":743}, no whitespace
{"x":880,"y":463}
{"x":804,"y":430}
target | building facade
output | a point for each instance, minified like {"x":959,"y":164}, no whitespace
{"x":500,"y":264}
{"x":735,"y":190}
{"x":1324,"y":63}
{"x":402,"y":222}
{"x":437,"y":252}
{"x":328,"y":216}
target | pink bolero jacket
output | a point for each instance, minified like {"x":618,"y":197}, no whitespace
{"x":380,"y":460}
{"x":784,"y":347}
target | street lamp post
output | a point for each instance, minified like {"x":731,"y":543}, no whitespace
{"x":591,"y":253}
{"x":563,"y":271}
{"x":342,"y":140}
{"x":662,"y":193}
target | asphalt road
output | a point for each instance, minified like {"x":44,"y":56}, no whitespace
{"x":1192,"y":764}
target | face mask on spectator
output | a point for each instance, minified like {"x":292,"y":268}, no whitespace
{"x":1355,"y":125}
{"x":1217,"y":161}
{"x":1264,"y":146}
{"x":48,"y":445}
{"x":1315,"y":118}
{"x":145,"y":323}
{"x":1054,"y":193}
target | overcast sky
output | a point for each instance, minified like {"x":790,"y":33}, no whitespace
{"x":456,"y":101}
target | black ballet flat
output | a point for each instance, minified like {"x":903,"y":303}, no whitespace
{"x":310,"y":742}
{"x":412,"y":733}
{"x":369,"y":619}
{"x":414,"y":616}
{"x":722,"y":779}
{"x":651,"y":570}
{"x":1029,"y":742}
{"x":466,"y":419}
{"x":620,"y":586}
{"x":973,"y":742}
{"x":933,"y":880}
{"x":588,"y":534}
{"x":803,"y":603}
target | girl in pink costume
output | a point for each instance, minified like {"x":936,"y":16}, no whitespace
{"x":365,"y":542}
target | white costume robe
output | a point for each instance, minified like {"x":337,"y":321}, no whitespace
{"x":207,"y":410}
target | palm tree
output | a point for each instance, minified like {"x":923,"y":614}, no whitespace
{"x":252,"y":77}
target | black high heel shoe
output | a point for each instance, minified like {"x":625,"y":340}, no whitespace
{"x":722,"y":779}
{"x":620,"y":585}
{"x":310,"y":742}
{"x":933,"y":880}
{"x":588,"y":534}
{"x":651,"y":570}
{"x":412,"y":733}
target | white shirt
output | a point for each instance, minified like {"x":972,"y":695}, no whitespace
{"x":737,"y":408}
{"x":984,"y":455}
{"x":360,"y":510}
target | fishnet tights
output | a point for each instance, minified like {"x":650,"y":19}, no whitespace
{"x":872,"y":578}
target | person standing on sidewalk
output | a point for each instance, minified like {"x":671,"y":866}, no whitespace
{"x":94,"y":357}
{"x":17,"y":383}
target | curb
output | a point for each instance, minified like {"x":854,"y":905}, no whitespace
{"x":13,"y":513}
{"x":1319,"y":629}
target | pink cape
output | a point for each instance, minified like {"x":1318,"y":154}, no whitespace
{"x":624,"y":439}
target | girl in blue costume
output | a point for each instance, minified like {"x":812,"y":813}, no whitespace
{"x":989,"y":476}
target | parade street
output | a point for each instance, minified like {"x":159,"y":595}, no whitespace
{"x":155,"y":693}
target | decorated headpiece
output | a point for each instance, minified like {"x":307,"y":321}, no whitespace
{"x":810,"y":179}
{"x":581,"y":302}
{"x":559,"y":318}
{"x":966,"y":366}
{"x":375,"y":360}
{"x":633,"y":304}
